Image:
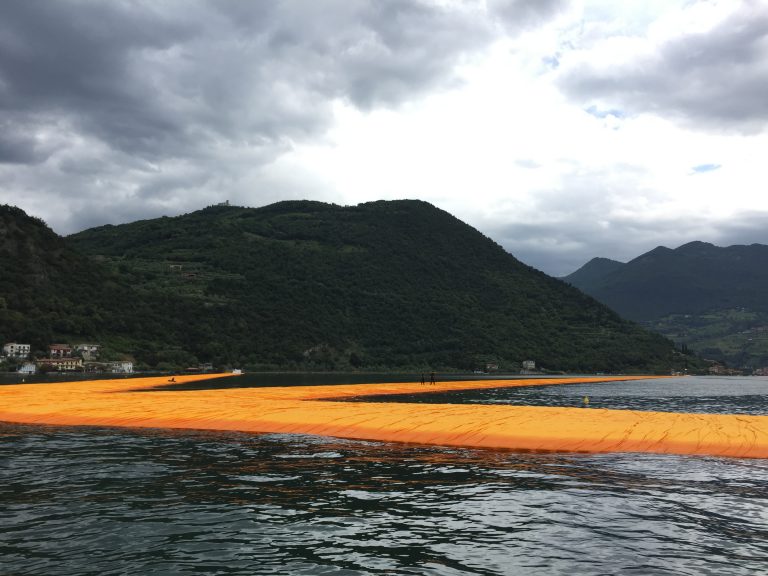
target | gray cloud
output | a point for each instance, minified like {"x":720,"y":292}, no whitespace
{"x":72,"y":63}
{"x":129,"y":108}
{"x":117,"y":111}
{"x":516,"y":15}
{"x":19,"y":145}
{"x":748,"y":227}
{"x":163,"y":81}
{"x":594,"y":214}
{"x":714,"y":80}
{"x":558,"y":250}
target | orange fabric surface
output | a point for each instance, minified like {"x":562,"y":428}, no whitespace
{"x":320,"y":410}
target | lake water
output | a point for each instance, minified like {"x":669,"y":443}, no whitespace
{"x":710,"y":395}
{"x":88,"y":501}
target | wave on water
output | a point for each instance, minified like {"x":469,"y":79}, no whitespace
{"x":78,"y":501}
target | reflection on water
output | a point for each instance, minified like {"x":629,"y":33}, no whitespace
{"x":80,"y":501}
{"x":708,"y":395}
{"x":711,"y":395}
{"x":262,"y":380}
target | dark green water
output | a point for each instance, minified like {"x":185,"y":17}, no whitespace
{"x":93,"y":501}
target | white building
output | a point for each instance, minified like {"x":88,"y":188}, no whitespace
{"x":14,"y":350}
{"x":88,"y":351}
{"x":123,"y":367}
{"x":529,"y":367}
{"x":28,"y":368}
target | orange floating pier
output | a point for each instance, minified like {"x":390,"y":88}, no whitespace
{"x":322,"y":410}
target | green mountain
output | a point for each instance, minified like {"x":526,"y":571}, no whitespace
{"x":46,"y":287}
{"x":310,"y":285}
{"x":709,"y":298}
{"x":51,"y":292}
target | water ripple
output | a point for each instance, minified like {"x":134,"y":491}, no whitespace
{"x":80,"y":502}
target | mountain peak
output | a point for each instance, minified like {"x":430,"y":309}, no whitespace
{"x":601,"y":261}
{"x":709,"y":297}
{"x":696,"y":246}
{"x":656,"y":251}
{"x":593,"y":272}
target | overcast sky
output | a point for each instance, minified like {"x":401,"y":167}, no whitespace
{"x":562,"y":130}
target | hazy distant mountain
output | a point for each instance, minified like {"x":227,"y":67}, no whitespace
{"x":691,"y":279}
{"x":722,"y":291}
{"x":593,"y":273}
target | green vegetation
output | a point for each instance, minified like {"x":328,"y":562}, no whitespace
{"x":710,"y":299}
{"x":736,"y":337}
{"x":47,"y":289}
{"x":306,"y":285}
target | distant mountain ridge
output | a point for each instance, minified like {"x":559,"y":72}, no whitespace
{"x":691,"y":279}
{"x":722,"y":290}
{"x":593,"y":272}
{"x":307,"y":285}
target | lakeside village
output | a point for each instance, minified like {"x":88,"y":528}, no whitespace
{"x":85,"y":358}
{"x":62,"y":358}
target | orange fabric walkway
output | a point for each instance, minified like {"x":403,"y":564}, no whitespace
{"x":307,"y":410}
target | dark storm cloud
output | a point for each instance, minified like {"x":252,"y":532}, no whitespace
{"x":115,"y":105}
{"x":72,"y":62}
{"x":165,"y":79}
{"x":18,"y":145}
{"x":716,"y":79}
{"x":519,"y":14}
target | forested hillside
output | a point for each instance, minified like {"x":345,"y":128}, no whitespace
{"x":310,"y":285}
{"x":50,"y":292}
{"x":46,"y":287}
